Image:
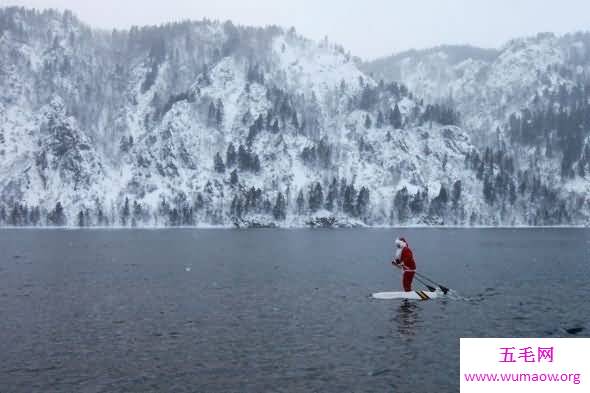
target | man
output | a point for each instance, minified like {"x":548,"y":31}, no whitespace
{"x":405,"y":260}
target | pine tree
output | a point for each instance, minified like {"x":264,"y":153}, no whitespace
{"x":125,"y":213}
{"x":188,"y":218}
{"x":259,"y":123}
{"x":362,"y":202}
{"x":247,"y":118}
{"x":212,"y":115}
{"x":367,"y":121}
{"x":125,"y":144}
{"x":35,"y":216}
{"x":233,"y":179}
{"x":100,"y":217}
{"x":439,"y":203}
{"x":236,"y":208}
{"x":219,"y":113}
{"x":256,"y":164}
{"x":368,"y":98}
{"x":480,"y":171}
{"x":511,"y":192}
{"x":267,"y":206}
{"x":396,"y":117}
{"x":332,"y":195}
{"x":230,"y":156}
{"x":24,"y":214}
{"x":443,"y":194}
{"x":57,"y":216}
{"x":473,"y":218}
{"x":174,"y":217}
{"x":380,"y":120}
{"x":548,"y":148}
{"x":300,"y":202}
{"x":457,"y":189}
{"x":280,"y":208}
{"x":416,"y":204}
{"x":81,"y":220}
{"x":137,"y":214}
{"x":218,"y":164}
{"x":294,"y":121}
{"x":324,"y":153}
{"x":269,"y":117}
{"x":275,"y":126}
{"x":243,"y":158}
{"x":15,"y":217}
{"x":349,"y":203}
{"x":488,"y":191}
{"x":316,"y":197}
{"x":401,"y":204}
{"x":199,"y":202}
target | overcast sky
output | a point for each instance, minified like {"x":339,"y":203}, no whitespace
{"x":368,"y":28}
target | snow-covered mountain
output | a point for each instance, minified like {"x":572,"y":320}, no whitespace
{"x":207,"y":123}
{"x":531,"y":96}
{"x":489,"y":85}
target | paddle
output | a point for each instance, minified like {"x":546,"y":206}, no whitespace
{"x":432,"y":289}
{"x":442,"y":287}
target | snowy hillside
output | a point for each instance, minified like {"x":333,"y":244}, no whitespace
{"x":528,"y":97}
{"x":487,"y":87}
{"x":207,"y":123}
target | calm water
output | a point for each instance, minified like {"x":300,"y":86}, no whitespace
{"x":272,"y":310}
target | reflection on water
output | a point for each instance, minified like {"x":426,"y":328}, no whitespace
{"x":407,"y":317}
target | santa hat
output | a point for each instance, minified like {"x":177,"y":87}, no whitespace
{"x":401,"y":242}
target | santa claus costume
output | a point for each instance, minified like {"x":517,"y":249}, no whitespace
{"x":404,"y":258}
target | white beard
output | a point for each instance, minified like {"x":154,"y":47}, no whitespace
{"x":398,"y":253}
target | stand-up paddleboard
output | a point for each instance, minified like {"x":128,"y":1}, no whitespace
{"x":414,"y":295}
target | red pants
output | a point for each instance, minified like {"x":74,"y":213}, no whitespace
{"x":407,"y":278}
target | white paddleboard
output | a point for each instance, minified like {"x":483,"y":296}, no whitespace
{"x":415,"y":295}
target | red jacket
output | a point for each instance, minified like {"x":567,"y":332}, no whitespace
{"x":407,"y":259}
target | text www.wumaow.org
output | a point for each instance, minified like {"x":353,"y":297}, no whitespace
{"x":524,"y":365}
{"x":574,"y":378}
